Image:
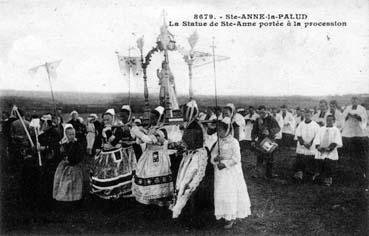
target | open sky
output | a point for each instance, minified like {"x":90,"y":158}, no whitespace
{"x":269,"y":61}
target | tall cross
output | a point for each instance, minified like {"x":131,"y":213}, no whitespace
{"x":163,"y":14}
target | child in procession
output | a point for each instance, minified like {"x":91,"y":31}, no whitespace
{"x":68,"y":178}
{"x":326,"y":142}
{"x":306,"y":132}
{"x":231,"y":198}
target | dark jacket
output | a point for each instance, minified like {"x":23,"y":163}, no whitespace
{"x":73,"y":152}
{"x":261,"y":124}
{"x":100,"y":140}
{"x":50,"y":139}
{"x":193,"y":136}
{"x":80,"y":128}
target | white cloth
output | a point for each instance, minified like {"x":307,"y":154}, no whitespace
{"x":338,"y":119}
{"x":91,"y":134}
{"x":288,"y":123}
{"x":317,"y":117}
{"x":307,"y":132}
{"x":249,"y":125}
{"x":278,"y":117}
{"x":298,"y":120}
{"x":190,"y":173}
{"x":325,"y":137}
{"x":353,"y":127}
{"x":231,"y":198}
{"x":240,"y":121}
{"x":174,"y":133}
{"x":153,"y":178}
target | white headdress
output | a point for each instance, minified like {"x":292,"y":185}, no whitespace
{"x":160,"y":110}
{"x":192,"y":110}
{"x":228,"y":122}
{"x":127,"y":108}
{"x":73,"y":112}
{"x":65,"y":139}
{"x":232,"y":107}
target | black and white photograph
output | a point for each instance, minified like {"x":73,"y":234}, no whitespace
{"x":184,"y":117}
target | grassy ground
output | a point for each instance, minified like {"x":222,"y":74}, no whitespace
{"x":279,"y":207}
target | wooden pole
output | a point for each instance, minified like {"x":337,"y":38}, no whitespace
{"x":146,"y":90}
{"x":189,"y":63}
{"x":38,"y":152}
{"x":51,"y":87}
{"x":129,"y":76}
{"x":168,"y":110}
{"x":24,"y":126}
{"x":216,"y":94}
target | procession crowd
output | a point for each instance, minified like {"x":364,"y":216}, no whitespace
{"x":196,"y":163}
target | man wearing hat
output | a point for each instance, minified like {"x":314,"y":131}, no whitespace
{"x":49,"y":145}
{"x":265,"y":127}
{"x":19,"y":140}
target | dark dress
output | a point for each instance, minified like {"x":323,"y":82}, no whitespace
{"x":81,"y":132}
{"x":50,"y":159}
{"x":196,"y":160}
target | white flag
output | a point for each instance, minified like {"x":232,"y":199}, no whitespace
{"x":127,"y":63}
{"x":51,"y":68}
{"x":32,"y":72}
{"x":203,"y":58}
{"x":140,"y":43}
{"x":192,"y":40}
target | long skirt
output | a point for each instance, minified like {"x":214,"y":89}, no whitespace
{"x":68,"y":182}
{"x":112,"y":172}
{"x":231,"y":199}
{"x":191,"y":172}
{"x":153,"y":183}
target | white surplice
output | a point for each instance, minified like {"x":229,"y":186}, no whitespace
{"x":325,"y":137}
{"x":308,"y":132}
{"x":249,"y":125}
{"x":353,"y":127}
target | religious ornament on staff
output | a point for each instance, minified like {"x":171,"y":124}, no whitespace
{"x":50,"y":68}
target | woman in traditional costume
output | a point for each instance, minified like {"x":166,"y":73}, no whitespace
{"x":194,"y":162}
{"x":79,"y":127}
{"x":111,"y":172}
{"x":153,"y":182}
{"x":68,"y":179}
{"x":231,"y":199}
{"x":129,"y":140}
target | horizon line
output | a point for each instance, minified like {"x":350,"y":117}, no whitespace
{"x":184,"y":95}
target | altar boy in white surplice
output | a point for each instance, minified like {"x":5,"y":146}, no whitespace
{"x":326,"y":142}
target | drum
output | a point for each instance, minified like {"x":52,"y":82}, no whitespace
{"x":267,"y":145}
{"x":112,"y":172}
